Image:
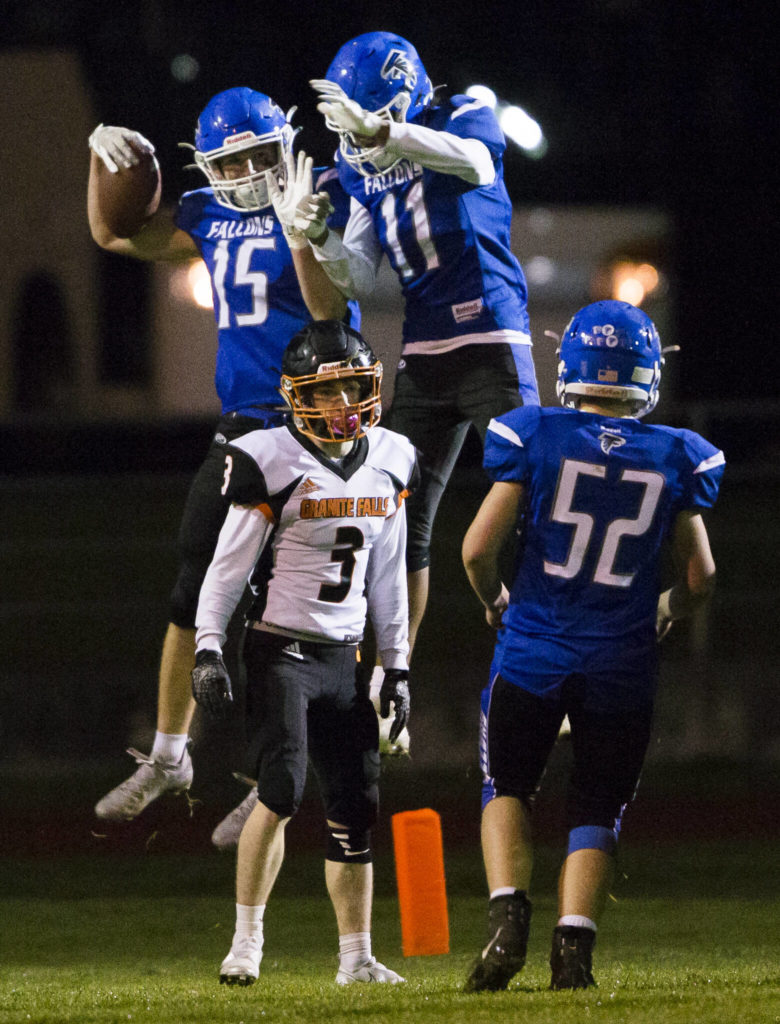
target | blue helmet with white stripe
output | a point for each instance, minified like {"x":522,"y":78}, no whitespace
{"x":610,"y":350}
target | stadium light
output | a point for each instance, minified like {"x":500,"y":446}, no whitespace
{"x":483,"y":93}
{"x":191,"y":283}
{"x":633,"y":282}
{"x":515,"y":122}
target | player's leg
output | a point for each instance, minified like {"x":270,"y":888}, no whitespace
{"x":260,"y":856}
{"x":343,"y":747}
{"x":608,"y":752}
{"x":518,"y":731}
{"x":175,"y":705}
{"x":424,"y":410}
{"x":278,"y":690}
{"x":418,"y":585}
{"x":493,"y":379}
{"x":168,"y":767}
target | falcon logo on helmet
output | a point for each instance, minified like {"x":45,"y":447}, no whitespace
{"x":384,"y":74}
{"x":397,"y":66}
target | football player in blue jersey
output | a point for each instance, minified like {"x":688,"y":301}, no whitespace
{"x":242,"y":143}
{"x":425,"y":177}
{"x":323,"y":498}
{"x":602,"y":494}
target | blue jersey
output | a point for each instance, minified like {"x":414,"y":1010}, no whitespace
{"x":447,"y":240}
{"x":258,"y":305}
{"x":602,"y":495}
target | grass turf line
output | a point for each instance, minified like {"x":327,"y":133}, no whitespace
{"x":673,"y":958}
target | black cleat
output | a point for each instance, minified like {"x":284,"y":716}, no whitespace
{"x":509,"y":918}
{"x":570,"y":958}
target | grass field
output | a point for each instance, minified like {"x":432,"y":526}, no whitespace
{"x":691,"y":936}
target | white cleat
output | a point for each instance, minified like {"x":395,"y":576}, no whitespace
{"x":150,"y":780}
{"x":371,"y":970}
{"x":226,"y":835}
{"x":242,"y":964}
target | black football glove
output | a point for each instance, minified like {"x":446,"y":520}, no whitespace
{"x":395,"y":689}
{"x":211,"y":684}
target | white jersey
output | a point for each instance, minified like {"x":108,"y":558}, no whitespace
{"x":337,"y":536}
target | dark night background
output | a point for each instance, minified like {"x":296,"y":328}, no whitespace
{"x":652,"y":104}
{"x":657,"y":103}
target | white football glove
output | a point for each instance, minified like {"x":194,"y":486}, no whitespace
{"x":302,"y":213}
{"x":342,"y":113}
{"x":117,"y":147}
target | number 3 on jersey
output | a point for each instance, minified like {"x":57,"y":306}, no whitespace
{"x":348,"y":539}
{"x":243,"y":275}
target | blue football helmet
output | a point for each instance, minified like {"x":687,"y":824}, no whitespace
{"x":384,"y":74}
{"x":610,"y":349}
{"x":234,"y":121}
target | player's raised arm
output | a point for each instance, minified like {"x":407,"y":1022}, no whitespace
{"x":334,"y":271}
{"x":123,"y":195}
{"x":303,"y":215}
{"x":441,"y":151}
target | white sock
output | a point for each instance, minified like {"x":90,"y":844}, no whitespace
{"x":169,"y":746}
{"x":576,"y":921}
{"x":354,"y":950}
{"x":504,"y":890}
{"x":249,"y":921}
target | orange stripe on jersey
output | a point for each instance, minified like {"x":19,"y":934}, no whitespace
{"x":265,"y":509}
{"x":402,"y":496}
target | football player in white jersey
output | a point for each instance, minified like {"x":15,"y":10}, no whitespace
{"x":317,"y":522}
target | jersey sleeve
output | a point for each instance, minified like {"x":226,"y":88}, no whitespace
{"x":352,"y":264}
{"x":386,"y":592}
{"x":189,"y":211}
{"x":245,"y":483}
{"x":327,"y":180}
{"x":707,"y":466}
{"x":243,"y":536}
{"x":506,"y":452}
{"x":471,"y":119}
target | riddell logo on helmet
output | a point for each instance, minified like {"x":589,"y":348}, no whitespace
{"x":232,"y":140}
{"x":329,"y":368}
{"x":397,"y":66}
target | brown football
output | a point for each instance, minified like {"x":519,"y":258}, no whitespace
{"x":129,"y":197}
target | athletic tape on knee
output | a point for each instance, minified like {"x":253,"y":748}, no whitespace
{"x":349,"y":845}
{"x":592,"y":837}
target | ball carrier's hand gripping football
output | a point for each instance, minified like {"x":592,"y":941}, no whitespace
{"x":129,"y":184}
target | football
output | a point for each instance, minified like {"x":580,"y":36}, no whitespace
{"x":129,"y":197}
